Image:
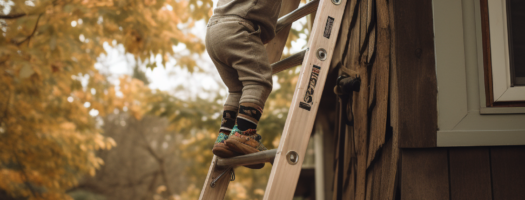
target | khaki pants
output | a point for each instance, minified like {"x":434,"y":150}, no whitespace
{"x":236,"y":49}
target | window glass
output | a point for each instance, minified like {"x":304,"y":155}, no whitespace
{"x":516,"y":26}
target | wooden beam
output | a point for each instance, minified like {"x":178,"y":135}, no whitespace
{"x":508,"y":174}
{"x":292,"y":61}
{"x":219,"y":190}
{"x":249,"y":159}
{"x":274,"y":48}
{"x":390,"y":152}
{"x":360,"y":103}
{"x":424,"y":174}
{"x":377,"y":169}
{"x":340,"y":136}
{"x":382,"y":67}
{"x":293,"y":16}
{"x":416,"y":74}
{"x":470,"y":173}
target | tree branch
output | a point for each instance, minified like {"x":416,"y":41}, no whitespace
{"x":164,"y":177}
{"x":160,"y":161}
{"x":152,"y":153}
{"x":13,"y":16}
{"x":32,"y":33}
{"x":6,"y":111}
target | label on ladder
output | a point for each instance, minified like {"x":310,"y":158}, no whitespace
{"x":308,"y":97}
{"x":328,"y":27}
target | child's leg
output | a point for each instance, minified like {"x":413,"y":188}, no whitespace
{"x":231,"y":106}
{"x":229,"y":114}
{"x":235,"y":43}
{"x":249,"y":116}
{"x":255,"y":73}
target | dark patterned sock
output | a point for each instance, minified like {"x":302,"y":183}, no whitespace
{"x":228,"y":119}
{"x":249,"y":115}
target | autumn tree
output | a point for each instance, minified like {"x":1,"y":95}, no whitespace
{"x":49,"y":88}
{"x":166,"y":153}
{"x":50,"y":92}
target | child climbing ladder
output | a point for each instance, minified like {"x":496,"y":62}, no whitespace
{"x":229,"y":47}
{"x":235,"y":40}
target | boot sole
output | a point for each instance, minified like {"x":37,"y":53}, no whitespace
{"x":243,"y":149}
{"x":224,"y":152}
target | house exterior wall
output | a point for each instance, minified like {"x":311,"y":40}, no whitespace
{"x":474,"y":157}
{"x":463,"y":118}
{"x":481,"y":173}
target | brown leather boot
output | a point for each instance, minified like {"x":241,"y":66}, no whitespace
{"x":220,"y":149}
{"x":245,"y":142}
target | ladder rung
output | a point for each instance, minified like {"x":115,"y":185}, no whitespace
{"x":291,"y":17}
{"x":250,"y":159}
{"x":292,"y":61}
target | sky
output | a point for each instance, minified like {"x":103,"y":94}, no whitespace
{"x":169,"y":77}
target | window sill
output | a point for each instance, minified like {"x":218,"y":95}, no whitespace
{"x":501,"y":110}
{"x":480,"y":138}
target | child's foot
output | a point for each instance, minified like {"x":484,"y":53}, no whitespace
{"x":220,"y":149}
{"x":245,"y":142}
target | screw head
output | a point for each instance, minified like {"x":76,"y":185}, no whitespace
{"x":322,"y":54}
{"x":292,"y":157}
{"x":336,"y":2}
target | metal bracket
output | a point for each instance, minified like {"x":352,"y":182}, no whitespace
{"x":346,"y":86}
{"x":232,"y":176}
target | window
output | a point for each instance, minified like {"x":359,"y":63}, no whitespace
{"x":462,"y":41}
{"x":504,"y":51}
{"x":515,"y":20}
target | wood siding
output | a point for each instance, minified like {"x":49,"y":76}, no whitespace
{"x":415,"y":74}
{"x":389,"y":46}
{"x":481,"y":173}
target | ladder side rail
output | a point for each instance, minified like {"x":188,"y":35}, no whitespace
{"x":219,"y":191}
{"x":303,"y":110}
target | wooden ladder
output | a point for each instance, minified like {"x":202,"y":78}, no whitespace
{"x":288,"y":157}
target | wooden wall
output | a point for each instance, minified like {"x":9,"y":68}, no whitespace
{"x":414,"y":87}
{"x":389,"y":46}
{"x":393,"y":154}
{"x":481,"y":173}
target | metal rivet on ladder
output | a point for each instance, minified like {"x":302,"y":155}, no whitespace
{"x":292,"y":157}
{"x":321,"y":54}
{"x":336,"y":2}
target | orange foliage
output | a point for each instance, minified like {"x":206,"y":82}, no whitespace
{"x":50,"y":90}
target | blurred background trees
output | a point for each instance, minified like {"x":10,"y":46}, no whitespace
{"x":68,"y":131}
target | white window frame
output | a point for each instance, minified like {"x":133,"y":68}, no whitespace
{"x":499,"y":45}
{"x":463,"y":118}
